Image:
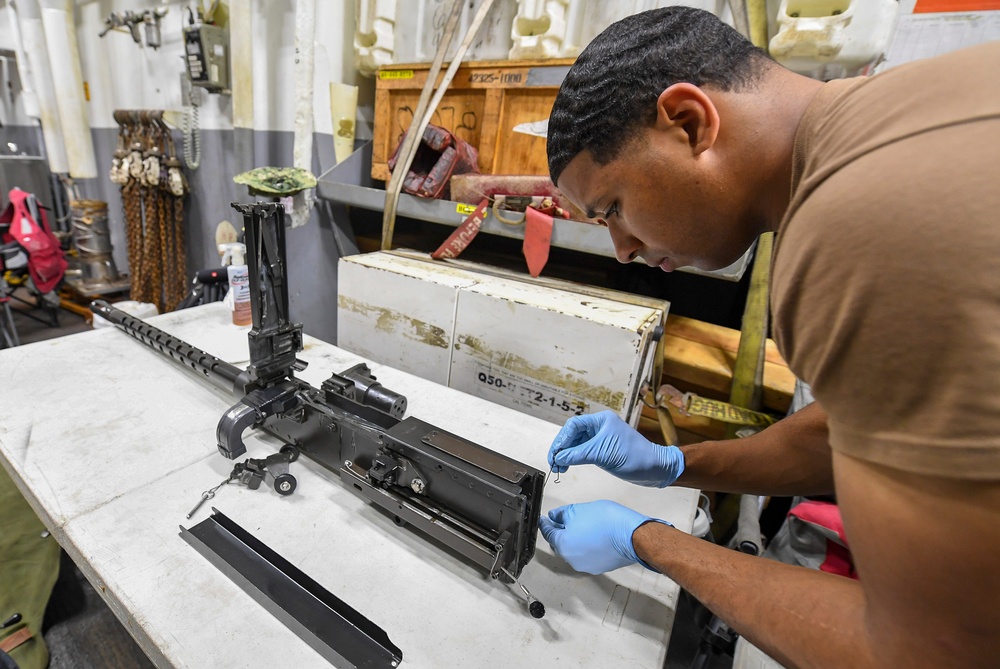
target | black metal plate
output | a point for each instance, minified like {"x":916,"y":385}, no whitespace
{"x":332,"y":628}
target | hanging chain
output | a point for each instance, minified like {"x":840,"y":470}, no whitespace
{"x":146,"y":167}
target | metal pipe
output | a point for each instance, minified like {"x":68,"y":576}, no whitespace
{"x":241,"y":52}
{"x":305,"y":67}
{"x":36,"y":70}
{"x":757,"y":22}
{"x":67,"y":75}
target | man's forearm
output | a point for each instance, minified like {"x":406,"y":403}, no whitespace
{"x":801,"y":617}
{"x":792,"y":457}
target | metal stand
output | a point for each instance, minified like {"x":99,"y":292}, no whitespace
{"x":8,"y":331}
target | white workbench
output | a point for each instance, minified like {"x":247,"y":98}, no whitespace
{"x":113,"y":444}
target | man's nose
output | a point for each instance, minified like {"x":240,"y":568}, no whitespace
{"x":626,"y":246}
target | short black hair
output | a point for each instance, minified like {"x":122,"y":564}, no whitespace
{"x":612,"y":88}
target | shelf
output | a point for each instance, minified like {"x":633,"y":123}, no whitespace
{"x":350,"y":183}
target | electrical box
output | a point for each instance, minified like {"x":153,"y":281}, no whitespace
{"x":206,"y":48}
{"x":548,"y":348}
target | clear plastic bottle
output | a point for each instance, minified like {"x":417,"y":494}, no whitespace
{"x":239,"y":284}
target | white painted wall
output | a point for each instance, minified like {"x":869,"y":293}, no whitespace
{"x":122,"y":74}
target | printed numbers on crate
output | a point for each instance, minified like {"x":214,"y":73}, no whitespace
{"x":491,"y":380}
{"x":495,"y":78}
{"x":532,"y":396}
{"x":542,"y":398}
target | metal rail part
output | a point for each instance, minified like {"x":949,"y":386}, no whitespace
{"x":333,"y":629}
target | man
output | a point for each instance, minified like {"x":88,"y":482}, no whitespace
{"x":688,"y":143}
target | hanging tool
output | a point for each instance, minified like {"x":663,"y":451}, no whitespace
{"x":149,"y":19}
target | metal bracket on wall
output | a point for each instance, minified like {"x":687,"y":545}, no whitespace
{"x":332,"y":628}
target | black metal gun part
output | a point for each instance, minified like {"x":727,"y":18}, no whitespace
{"x":479,"y":503}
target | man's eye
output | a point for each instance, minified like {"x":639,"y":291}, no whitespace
{"x":611,"y":211}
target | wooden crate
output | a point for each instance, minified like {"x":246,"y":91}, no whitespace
{"x":699,"y":357}
{"x":482,"y":105}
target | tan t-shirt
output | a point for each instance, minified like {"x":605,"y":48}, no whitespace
{"x":886,"y":273}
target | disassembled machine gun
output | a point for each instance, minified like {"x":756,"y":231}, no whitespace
{"x":477,"y":502}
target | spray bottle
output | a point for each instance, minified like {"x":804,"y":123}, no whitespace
{"x":239,"y":282}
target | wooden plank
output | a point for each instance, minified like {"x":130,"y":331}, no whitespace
{"x":708,"y":367}
{"x":703,"y":428}
{"x":380,"y":152}
{"x":485,"y":64}
{"x":523,"y":154}
{"x":472,"y":75}
{"x":720,"y":337}
{"x":489,"y":143}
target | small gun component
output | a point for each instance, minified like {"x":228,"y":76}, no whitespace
{"x":207,"y":495}
{"x":10,"y":622}
{"x":252,"y":472}
{"x":273,"y":470}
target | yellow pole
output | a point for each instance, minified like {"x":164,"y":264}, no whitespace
{"x":757,"y":18}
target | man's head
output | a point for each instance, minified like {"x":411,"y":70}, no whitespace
{"x":635,"y":137}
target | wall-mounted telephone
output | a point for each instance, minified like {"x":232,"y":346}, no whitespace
{"x":206,"y":49}
{"x":206,"y":66}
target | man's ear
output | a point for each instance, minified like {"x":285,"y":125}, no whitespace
{"x":687,"y":108}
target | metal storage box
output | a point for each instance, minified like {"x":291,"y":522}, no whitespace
{"x":548,"y":348}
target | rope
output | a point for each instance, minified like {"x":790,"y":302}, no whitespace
{"x":417,"y":127}
{"x":410,"y":139}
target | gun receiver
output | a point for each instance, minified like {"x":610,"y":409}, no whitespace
{"x":477,"y":502}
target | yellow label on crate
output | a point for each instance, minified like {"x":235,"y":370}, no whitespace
{"x":465,"y":209}
{"x":395,"y":74}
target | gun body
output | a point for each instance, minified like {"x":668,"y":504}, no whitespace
{"x":479,"y":503}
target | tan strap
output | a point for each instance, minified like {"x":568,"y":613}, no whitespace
{"x":690,"y":404}
{"x":11,"y":642}
{"x":748,"y":370}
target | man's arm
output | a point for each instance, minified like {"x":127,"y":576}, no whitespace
{"x":928,"y":554}
{"x":791,"y":457}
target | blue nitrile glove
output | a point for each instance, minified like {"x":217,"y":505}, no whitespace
{"x":605,"y":440}
{"x":594,"y":537}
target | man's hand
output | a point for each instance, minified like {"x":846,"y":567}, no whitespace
{"x":594,"y":537}
{"x":605,"y":440}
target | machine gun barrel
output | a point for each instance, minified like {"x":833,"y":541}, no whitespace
{"x":219,"y":372}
